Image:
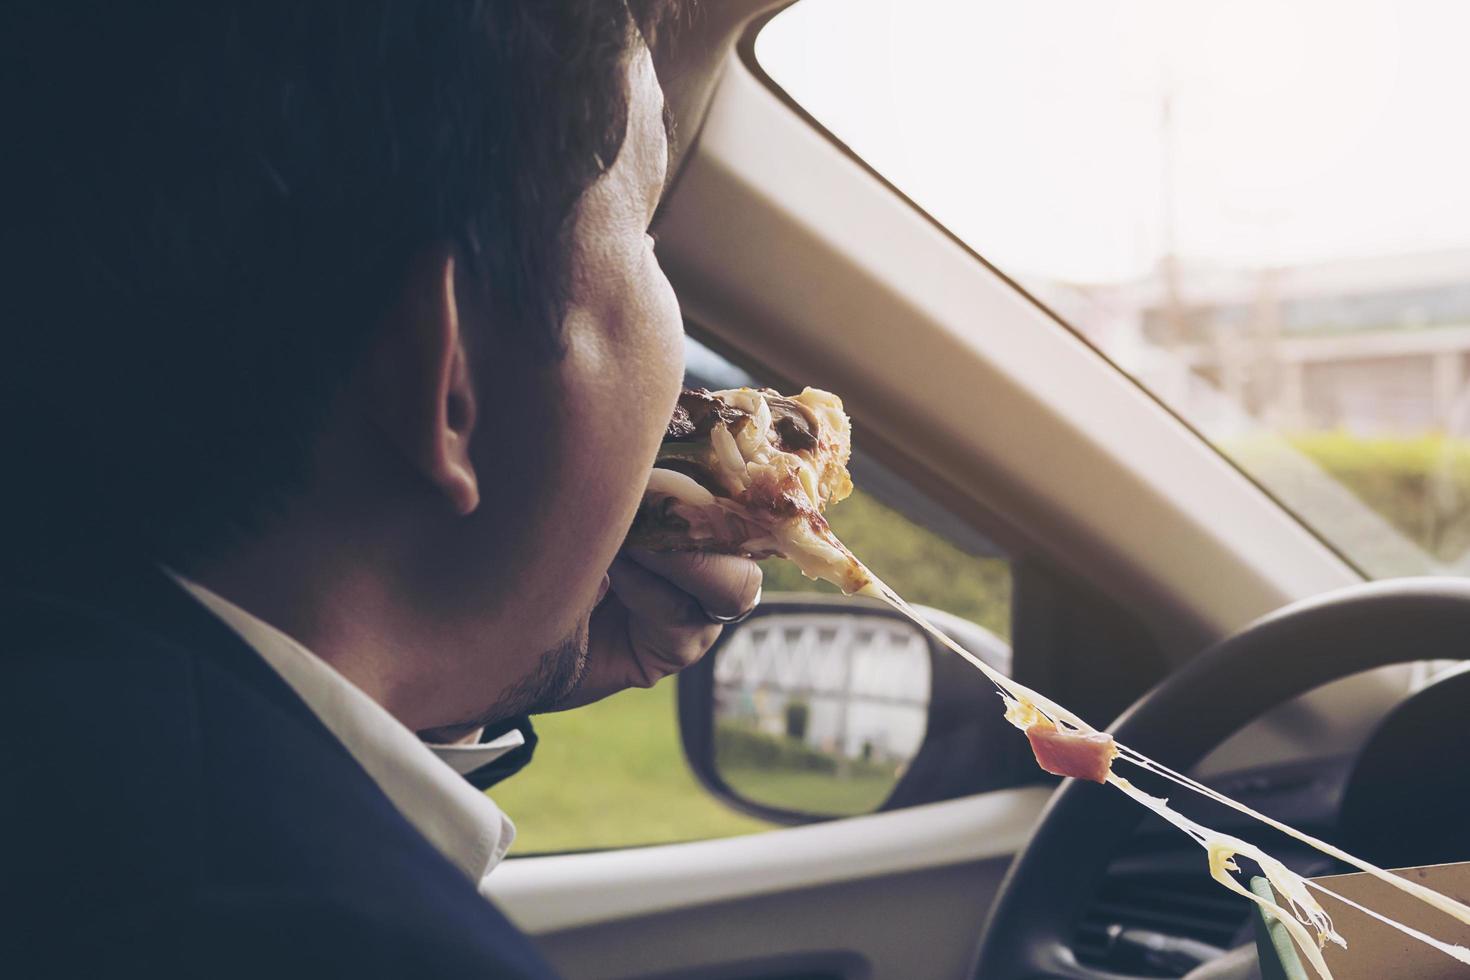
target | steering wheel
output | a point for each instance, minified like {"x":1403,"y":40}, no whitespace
{"x":1273,"y":660}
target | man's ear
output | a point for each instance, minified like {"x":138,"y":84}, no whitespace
{"x":421,"y":392}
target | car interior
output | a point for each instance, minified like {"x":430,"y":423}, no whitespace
{"x":1158,"y":585}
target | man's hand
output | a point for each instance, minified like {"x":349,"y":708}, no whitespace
{"x":659,"y":616}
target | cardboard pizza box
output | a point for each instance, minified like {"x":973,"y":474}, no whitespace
{"x":1375,"y":951}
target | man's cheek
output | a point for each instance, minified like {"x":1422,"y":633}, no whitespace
{"x":602,"y":500}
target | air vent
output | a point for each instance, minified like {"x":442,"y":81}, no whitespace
{"x":1188,"y":905}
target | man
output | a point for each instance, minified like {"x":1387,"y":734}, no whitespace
{"x":338,"y":355}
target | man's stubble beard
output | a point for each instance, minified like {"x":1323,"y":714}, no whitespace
{"x":559,"y":671}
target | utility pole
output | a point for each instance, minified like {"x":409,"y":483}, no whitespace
{"x":1175,"y":328}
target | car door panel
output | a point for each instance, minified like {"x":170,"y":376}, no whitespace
{"x":897,"y":893}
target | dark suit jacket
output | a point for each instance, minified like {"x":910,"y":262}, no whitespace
{"x":170,"y":808}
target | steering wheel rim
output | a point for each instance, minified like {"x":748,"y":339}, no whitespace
{"x":1285,"y":654}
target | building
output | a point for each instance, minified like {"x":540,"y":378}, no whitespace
{"x":1372,"y":345}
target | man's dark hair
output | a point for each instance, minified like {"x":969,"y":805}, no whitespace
{"x":211,"y":205}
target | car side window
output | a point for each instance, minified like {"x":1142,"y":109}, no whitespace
{"x":613,"y":774}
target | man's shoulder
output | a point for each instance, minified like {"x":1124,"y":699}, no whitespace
{"x":99,"y":720}
{"x":162,"y":781}
{"x":155,"y":748}
{"x":287,"y":935}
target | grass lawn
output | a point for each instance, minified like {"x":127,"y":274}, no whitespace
{"x":612,"y":774}
{"x":812,"y":792}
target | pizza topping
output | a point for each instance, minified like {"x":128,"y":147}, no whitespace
{"x":729,"y":463}
{"x":672,"y":484}
{"x":697,"y":412}
{"x":1081,"y":755}
{"x":681,"y":426}
{"x":780,"y":494}
{"x":795,"y":429}
{"x":793,"y":425}
{"x":694,"y":459}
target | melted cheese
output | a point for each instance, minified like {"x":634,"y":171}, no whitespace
{"x":672,"y":483}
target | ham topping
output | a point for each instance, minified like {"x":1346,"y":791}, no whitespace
{"x":1080,"y":755}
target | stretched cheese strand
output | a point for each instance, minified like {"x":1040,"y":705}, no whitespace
{"x":1450,"y":949}
{"x":1303,"y":910}
{"x":1429,"y":896}
{"x":1222,"y":849}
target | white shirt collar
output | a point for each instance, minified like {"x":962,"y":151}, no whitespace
{"x":426,"y":786}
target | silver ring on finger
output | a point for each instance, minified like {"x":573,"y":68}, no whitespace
{"x":739,"y":617}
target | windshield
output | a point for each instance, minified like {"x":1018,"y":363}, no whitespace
{"x":1260,"y":210}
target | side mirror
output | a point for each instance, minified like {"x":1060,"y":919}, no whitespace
{"x":820,"y":706}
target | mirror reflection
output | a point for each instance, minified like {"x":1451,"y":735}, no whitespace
{"x":820,"y":712}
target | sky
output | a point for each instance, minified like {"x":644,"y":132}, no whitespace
{"x":1298,"y":130}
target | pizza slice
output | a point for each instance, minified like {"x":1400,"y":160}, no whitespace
{"x":749,"y":471}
